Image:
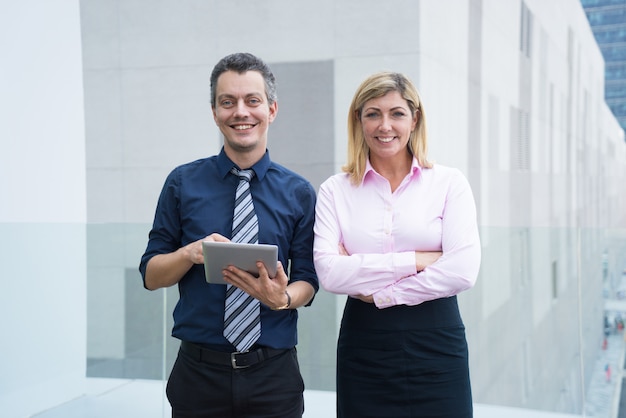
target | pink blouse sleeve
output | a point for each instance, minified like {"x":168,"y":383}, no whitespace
{"x":457,"y":269}
{"x":358,"y":274}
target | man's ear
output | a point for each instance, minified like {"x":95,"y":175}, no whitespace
{"x":273,"y":111}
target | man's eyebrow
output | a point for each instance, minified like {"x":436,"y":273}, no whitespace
{"x":224,"y":96}
{"x":230,"y":96}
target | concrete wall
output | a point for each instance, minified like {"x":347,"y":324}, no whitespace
{"x":513,"y":95}
{"x":42,"y":207}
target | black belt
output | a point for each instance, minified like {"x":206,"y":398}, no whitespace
{"x":236,"y":360}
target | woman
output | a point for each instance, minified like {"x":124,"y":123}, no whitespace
{"x":399,"y":236}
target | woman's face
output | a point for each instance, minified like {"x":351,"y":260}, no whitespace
{"x":387,"y":124}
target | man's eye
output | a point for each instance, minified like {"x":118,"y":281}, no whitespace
{"x":227,"y":103}
{"x":254,"y":101}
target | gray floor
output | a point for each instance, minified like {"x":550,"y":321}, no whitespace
{"x":121,"y":398}
{"x":108,"y":398}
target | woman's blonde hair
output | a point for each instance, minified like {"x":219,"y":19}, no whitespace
{"x":375,"y":86}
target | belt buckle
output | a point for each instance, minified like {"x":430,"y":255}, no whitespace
{"x":233,"y":360}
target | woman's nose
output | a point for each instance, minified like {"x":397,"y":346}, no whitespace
{"x":385,"y":124}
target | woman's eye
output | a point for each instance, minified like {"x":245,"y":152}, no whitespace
{"x":371,"y":115}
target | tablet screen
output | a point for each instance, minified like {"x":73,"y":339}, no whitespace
{"x":219,"y":255}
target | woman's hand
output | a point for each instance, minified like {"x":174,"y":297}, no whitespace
{"x":366,"y":299}
{"x":424,"y":259}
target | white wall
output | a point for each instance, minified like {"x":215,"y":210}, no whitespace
{"x":146,"y":68}
{"x":42,"y":206}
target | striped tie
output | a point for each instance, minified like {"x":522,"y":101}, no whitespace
{"x":242,"y":321}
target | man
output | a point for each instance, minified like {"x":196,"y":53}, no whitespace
{"x":256,"y":375}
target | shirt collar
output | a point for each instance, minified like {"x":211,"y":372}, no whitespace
{"x":415,"y":169}
{"x":224,"y":164}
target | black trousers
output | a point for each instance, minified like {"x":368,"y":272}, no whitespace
{"x":271,"y":389}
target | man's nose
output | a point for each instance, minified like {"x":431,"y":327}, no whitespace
{"x":241,"y":109}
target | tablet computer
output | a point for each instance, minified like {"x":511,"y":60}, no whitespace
{"x":219,"y":255}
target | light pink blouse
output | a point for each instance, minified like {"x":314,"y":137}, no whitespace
{"x":432,"y":210}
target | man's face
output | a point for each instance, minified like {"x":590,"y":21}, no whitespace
{"x":242,"y":111}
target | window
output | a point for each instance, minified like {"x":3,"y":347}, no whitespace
{"x":525,"y":30}
{"x":555,"y":280}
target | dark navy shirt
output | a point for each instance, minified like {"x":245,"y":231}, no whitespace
{"x":197,"y":200}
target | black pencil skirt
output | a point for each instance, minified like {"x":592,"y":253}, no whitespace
{"x":403,"y":361}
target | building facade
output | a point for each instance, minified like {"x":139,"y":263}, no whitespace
{"x":514,"y":96}
{"x":608,"y":22}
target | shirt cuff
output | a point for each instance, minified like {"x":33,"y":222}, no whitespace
{"x":384,"y":298}
{"x":404,"y":265}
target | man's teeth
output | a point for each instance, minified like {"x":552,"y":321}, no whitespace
{"x":242,"y":127}
{"x":386,"y":139}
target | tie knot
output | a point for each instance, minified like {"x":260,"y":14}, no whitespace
{"x":243,"y":174}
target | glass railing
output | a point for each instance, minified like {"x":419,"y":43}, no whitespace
{"x":544,"y":321}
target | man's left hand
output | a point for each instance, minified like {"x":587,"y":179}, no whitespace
{"x":269,"y":291}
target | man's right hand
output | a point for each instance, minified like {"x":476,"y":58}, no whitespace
{"x":165,"y":270}
{"x":193,"y":251}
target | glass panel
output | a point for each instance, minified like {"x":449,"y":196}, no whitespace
{"x":615,"y":90}
{"x":596,"y":3}
{"x":614,"y":53}
{"x":544,"y":324}
{"x":605,"y":34}
{"x":615,"y":71}
{"x":618,"y":106}
{"x":613,"y":16}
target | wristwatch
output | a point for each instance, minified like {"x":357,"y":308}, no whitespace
{"x":285,"y":306}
